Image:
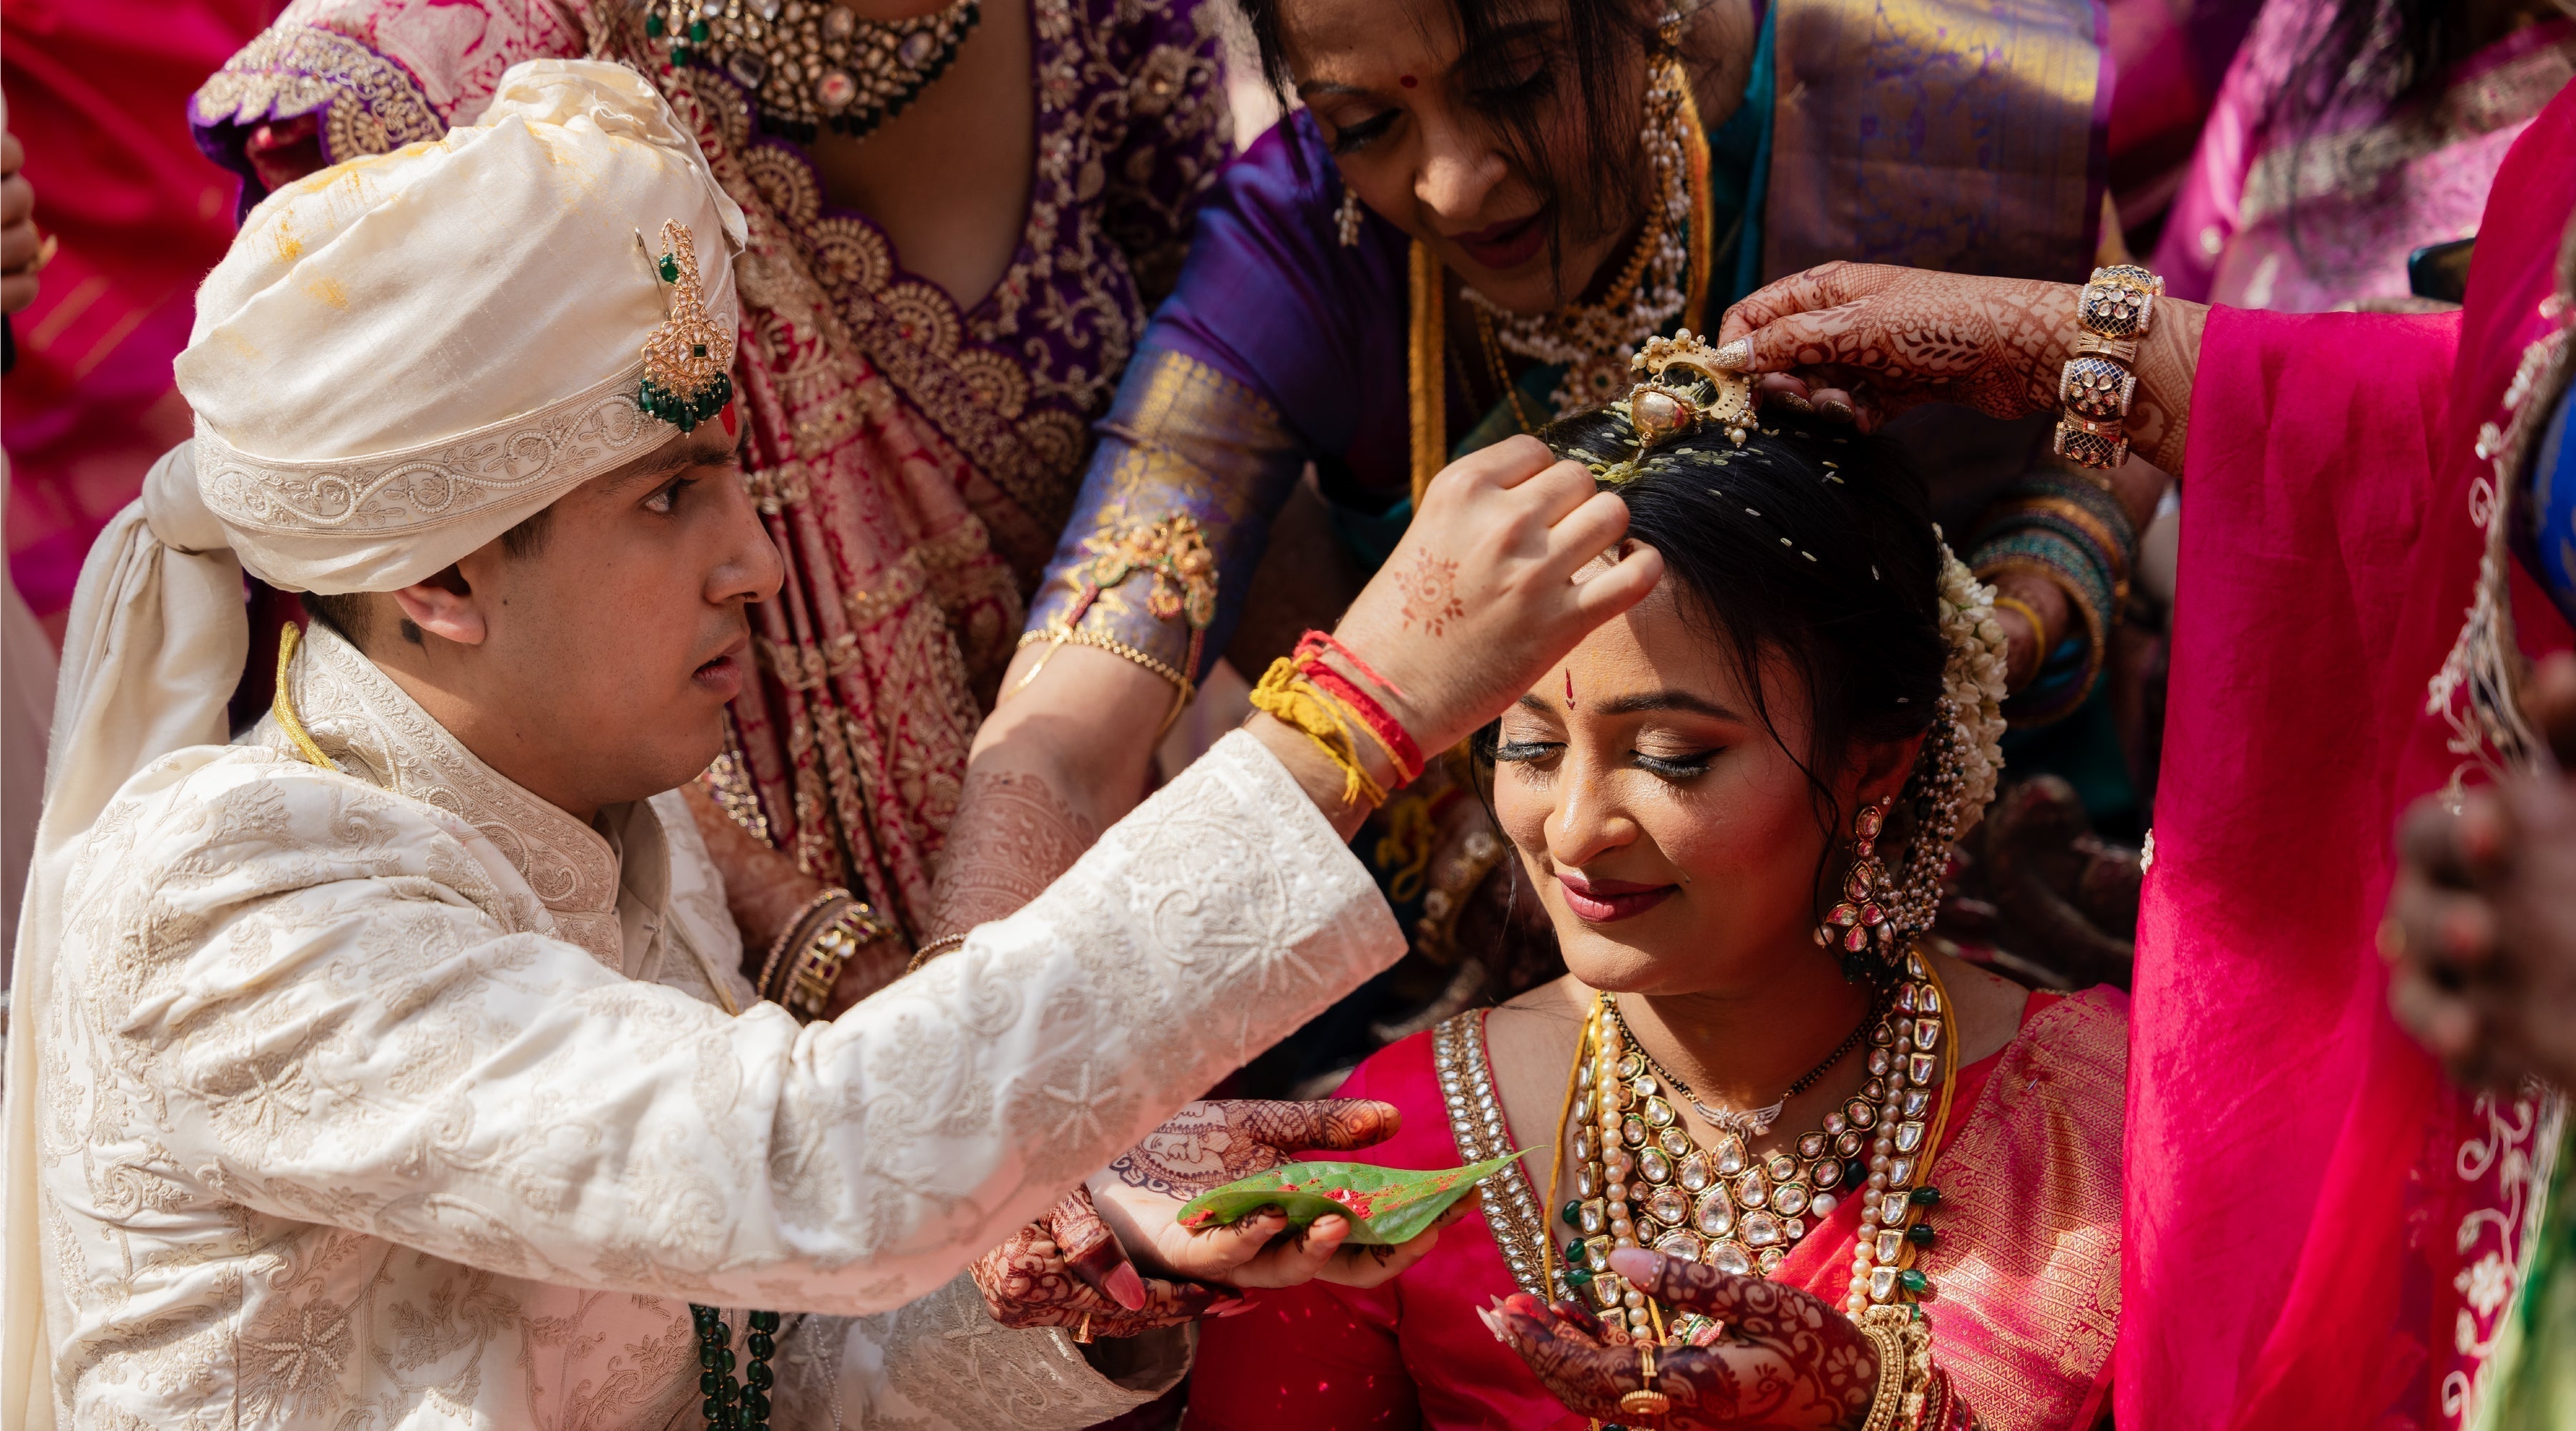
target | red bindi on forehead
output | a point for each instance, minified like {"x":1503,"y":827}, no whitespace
{"x":1407,"y":81}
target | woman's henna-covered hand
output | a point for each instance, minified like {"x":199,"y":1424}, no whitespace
{"x":1214,"y":1142}
{"x":1895,"y":338}
{"x":1066,"y":1270}
{"x":1785,"y":1360}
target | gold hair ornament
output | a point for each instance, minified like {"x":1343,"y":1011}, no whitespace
{"x":1660,"y":408}
{"x":688,"y":358}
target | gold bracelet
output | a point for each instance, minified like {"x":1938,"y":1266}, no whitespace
{"x":826,"y":952}
{"x":1061,"y":636}
{"x":2029,"y":613}
{"x":1904,"y":1344}
{"x":787,"y":940}
{"x":932,"y":950}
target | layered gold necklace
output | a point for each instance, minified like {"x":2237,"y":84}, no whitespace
{"x":1640,"y":1179}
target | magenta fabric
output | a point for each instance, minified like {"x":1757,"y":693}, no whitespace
{"x":2220,"y":245}
{"x":2319,"y":1228}
{"x":98,"y":92}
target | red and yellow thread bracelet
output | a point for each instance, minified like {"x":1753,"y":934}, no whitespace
{"x":1287,"y":695}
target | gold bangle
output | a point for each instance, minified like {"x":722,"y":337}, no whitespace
{"x":1904,"y":1344}
{"x":2029,"y":613}
{"x":932,"y":950}
{"x":826,"y":952}
{"x":1061,"y":636}
{"x":787,"y":940}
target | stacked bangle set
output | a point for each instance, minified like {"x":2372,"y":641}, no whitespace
{"x":808,"y":956}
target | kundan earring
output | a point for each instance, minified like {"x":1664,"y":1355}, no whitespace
{"x":1347,"y":218}
{"x":1860,"y":921}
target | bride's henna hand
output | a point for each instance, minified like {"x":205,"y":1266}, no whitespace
{"x":1211,"y":1143}
{"x":1786,"y":1359}
{"x":1061,"y":1270}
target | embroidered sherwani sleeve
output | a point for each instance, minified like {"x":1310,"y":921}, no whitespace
{"x":942,"y":1362}
{"x":320,"y":988}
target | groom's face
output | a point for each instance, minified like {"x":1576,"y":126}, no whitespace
{"x":612,"y":646}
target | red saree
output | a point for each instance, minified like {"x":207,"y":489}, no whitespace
{"x":2025,"y":1290}
{"x":2321,"y":1231}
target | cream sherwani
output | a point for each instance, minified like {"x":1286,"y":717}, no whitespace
{"x":390,"y":1096}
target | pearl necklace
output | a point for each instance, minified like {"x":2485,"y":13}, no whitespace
{"x":1594,"y":342}
{"x":1641,"y":1180}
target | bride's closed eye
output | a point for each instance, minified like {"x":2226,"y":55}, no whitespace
{"x":1675,"y":767}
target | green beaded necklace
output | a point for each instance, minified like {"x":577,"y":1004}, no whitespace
{"x":732,"y":1405}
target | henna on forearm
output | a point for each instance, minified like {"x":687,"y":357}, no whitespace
{"x":763,"y":887}
{"x":1032,"y":1281}
{"x":1014,"y":834}
{"x":2160,"y":415}
{"x":2042,"y":595}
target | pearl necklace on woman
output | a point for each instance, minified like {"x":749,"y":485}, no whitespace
{"x":1641,"y":1180}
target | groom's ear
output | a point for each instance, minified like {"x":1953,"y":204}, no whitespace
{"x":443,"y":606}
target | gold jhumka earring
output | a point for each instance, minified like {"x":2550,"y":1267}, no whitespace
{"x":1346,"y":219}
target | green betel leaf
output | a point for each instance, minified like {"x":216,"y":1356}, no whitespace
{"x":1385,"y":1205}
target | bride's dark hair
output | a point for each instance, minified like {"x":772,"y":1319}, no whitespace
{"x":1809,"y":545}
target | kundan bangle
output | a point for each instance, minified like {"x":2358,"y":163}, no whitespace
{"x":790,"y":936}
{"x":824,"y":953}
{"x":2097,"y":385}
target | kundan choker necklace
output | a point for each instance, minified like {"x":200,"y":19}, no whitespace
{"x":810,"y":63}
{"x":1639,"y":1179}
{"x":1749,"y":1123}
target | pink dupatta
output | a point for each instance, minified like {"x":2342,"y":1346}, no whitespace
{"x":2320,"y":1230}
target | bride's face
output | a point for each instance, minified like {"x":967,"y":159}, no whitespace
{"x":1412,"y":121}
{"x":1670,"y":833}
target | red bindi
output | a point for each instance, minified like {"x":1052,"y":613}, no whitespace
{"x":1569,"y":690}
{"x":1407,"y":81}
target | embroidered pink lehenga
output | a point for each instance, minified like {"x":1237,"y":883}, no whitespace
{"x":2025,"y":1293}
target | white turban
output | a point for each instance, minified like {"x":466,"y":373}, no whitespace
{"x":400,"y":358}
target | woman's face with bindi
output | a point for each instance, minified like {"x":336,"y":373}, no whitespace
{"x":1414,"y":122}
{"x":1671,"y":836}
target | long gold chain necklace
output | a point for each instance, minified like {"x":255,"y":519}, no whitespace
{"x":812,"y":63}
{"x":1502,"y":371}
{"x":1639,"y":1179}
